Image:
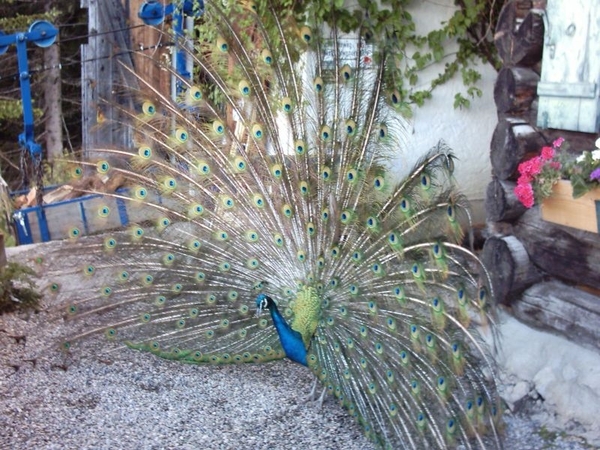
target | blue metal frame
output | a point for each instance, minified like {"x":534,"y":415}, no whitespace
{"x":42,"y":34}
{"x":153,"y":13}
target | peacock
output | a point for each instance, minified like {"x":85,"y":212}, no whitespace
{"x":264,"y":224}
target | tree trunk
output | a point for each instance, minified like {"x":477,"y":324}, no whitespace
{"x":53,"y":103}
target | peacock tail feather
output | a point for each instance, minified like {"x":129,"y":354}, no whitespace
{"x":265,"y":185}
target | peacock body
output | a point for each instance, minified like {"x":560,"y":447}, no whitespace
{"x":263,"y":188}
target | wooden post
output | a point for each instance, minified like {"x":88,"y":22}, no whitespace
{"x":2,"y":252}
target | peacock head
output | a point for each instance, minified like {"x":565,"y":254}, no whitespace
{"x":263,"y":302}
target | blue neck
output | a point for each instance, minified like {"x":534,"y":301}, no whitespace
{"x":291,"y":340}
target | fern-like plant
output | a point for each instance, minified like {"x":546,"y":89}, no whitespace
{"x":17,"y":289}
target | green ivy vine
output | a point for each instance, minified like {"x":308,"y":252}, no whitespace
{"x":456,"y":45}
{"x":461,"y":41}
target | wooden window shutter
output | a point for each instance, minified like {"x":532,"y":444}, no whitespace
{"x":568,"y":89}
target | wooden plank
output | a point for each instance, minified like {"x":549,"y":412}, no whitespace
{"x":563,"y":209}
{"x":148,"y":53}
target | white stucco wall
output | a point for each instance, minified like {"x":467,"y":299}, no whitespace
{"x":468,"y":131}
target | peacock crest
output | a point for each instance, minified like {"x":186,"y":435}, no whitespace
{"x":262,"y":222}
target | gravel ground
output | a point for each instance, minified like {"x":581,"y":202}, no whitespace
{"x":122,"y":399}
{"x":107,"y":398}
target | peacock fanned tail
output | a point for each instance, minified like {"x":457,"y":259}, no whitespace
{"x":266,"y":179}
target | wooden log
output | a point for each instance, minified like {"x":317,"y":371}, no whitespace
{"x":515,"y":89}
{"x":563,"y":309}
{"x":519,"y":45}
{"x":501,"y":204}
{"x":513,"y":141}
{"x":563,"y":252}
{"x":509,"y":266}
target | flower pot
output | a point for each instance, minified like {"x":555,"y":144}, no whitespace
{"x":582,"y":213}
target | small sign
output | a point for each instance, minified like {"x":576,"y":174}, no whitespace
{"x":347,"y":49}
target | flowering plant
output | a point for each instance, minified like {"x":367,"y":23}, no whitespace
{"x":539,"y":174}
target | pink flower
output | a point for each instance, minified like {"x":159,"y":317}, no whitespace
{"x":558,"y":142}
{"x":555,"y":165}
{"x":524,"y":193}
{"x":531,"y":167}
{"x":524,"y":179}
{"x":547,"y":153}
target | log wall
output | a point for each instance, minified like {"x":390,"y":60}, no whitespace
{"x":546,"y":275}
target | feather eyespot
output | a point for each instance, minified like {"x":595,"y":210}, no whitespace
{"x":76,"y":172}
{"x":203,"y":168}
{"x":103,"y":167}
{"x":110,"y":243}
{"x":252,"y":263}
{"x":222,"y":45}
{"x":218,"y":127}
{"x":140,"y":193}
{"x":258,"y":200}
{"x":306,"y":34}
{"x":299,"y":147}
{"x":194,"y":93}
{"x":287,"y":210}
{"x":318,"y":84}
{"x":277,"y":171}
{"x":244,"y":88}
{"x":74,"y":233}
{"x":145,"y":152}
{"x":257,"y":131}
{"x":148,"y":108}
{"x":304,"y":190}
{"x":267,"y":57}
{"x":286,"y":105}
{"x":181,"y":135}
{"x":346,"y":72}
